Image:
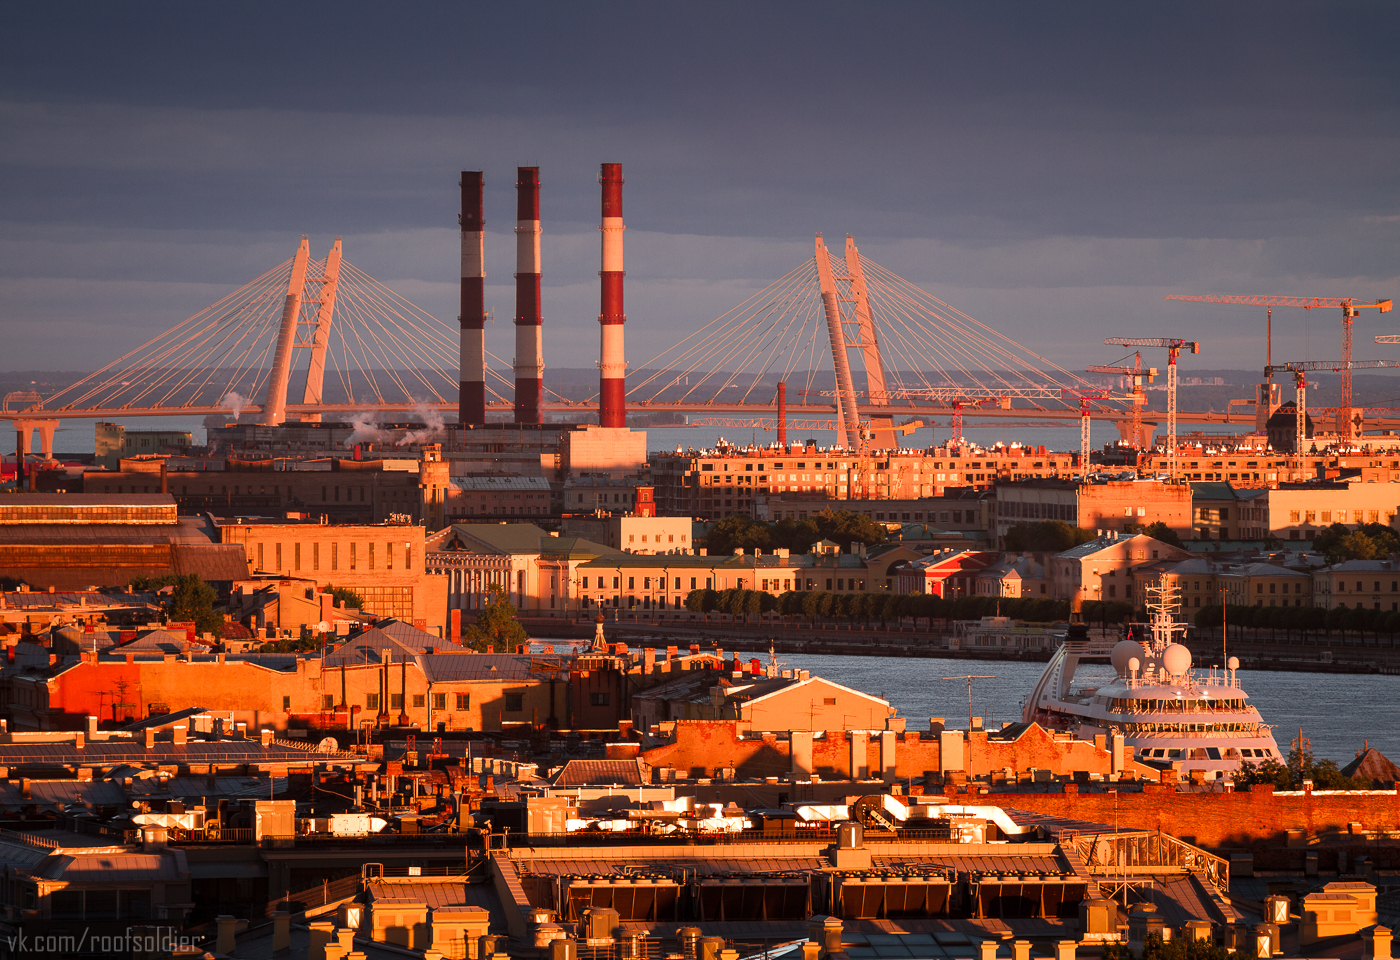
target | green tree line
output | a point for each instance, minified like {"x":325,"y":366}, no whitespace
{"x":1304,"y":620}
{"x":839,"y":526}
{"x":818,"y":605}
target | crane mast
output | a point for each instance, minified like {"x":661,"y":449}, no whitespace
{"x":1173,"y":347}
{"x":1300,"y":369}
{"x":1349,"y":306}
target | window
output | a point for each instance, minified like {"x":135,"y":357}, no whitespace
{"x":352,"y":556}
{"x":828,"y":701}
{"x":439,"y":701}
{"x":515,"y":702}
{"x":395,"y":701}
{"x":464,"y":701}
{"x":372,"y":702}
{"x":296,"y":553}
{"x":419,"y":699}
{"x":277,"y":553}
{"x":327,"y":702}
{"x":335,"y":556}
{"x":286,"y":704}
{"x":631,"y":583}
{"x":260,"y":556}
{"x":315,"y":556}
{"x":371,"y":556}
{"x":598,"y":699}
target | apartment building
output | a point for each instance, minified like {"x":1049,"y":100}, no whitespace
{"x":382,"y":562}
{"x":1122,"y":506}
{"x":1264,"y":467}
{"x":633,"y":534}
{"x":1370,"y":584}
{"x":730,"y":482}
{"x":1104,"y":568}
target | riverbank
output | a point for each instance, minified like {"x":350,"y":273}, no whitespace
{"x":1288,"y":654}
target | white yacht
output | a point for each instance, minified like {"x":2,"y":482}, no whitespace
{"x":1166,"y":711}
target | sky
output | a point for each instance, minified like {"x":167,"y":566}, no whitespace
{"x":1054,"y":170}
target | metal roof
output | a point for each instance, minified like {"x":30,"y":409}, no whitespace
{"x":583,"y":773}
{"x":486,"y":666}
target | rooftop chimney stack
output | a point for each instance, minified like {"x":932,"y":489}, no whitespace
{"x":529,"y":345}
{"x":471,"y":400}
{"x":612,"y":365}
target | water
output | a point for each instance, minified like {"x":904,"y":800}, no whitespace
{"x":1336,"y":711}
{"x":78,"y":436}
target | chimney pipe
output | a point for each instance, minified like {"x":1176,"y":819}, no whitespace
{"x":612,"y":365}
{"x":529,"y":346}
{"x":471,"y":399}
{"x":782,"y":414}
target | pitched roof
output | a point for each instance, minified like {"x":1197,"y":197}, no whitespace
{"x":403,"y":641}
{"x":1212,"y":490}
{"x":500,"y":667}
{"x":502,"y":537}
{"x":1263,"y":570}
{"x":1374,"y":765}
{"x":584,"y":773}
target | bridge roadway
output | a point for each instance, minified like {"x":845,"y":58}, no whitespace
{"x":794,"y":411}
{"x":768,"y":411}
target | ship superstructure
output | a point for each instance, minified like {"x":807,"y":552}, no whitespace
{"x":1165,"y":710}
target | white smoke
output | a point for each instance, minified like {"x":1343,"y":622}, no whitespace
{"x":234,"y":402}
{"x":433,"y":426}
{"x":366,"y":430}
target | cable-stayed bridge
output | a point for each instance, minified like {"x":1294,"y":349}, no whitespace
{"x":856,"y":345}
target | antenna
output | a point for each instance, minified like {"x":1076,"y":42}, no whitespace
{"x":969,"y":677}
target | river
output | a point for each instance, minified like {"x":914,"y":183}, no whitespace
{"x":1336,"y":711}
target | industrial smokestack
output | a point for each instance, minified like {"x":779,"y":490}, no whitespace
{"x":612,"y":364}
{"x":471,"y":398}
{"x":529,"y":346}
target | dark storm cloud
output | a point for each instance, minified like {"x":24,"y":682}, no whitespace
{"x":1057,"y":167}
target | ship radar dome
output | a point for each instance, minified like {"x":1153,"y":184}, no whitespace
{"x":1123,"y":651}
{"x":1176,"y":660}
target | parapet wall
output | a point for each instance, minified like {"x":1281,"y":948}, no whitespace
{"x":1245,"y":819}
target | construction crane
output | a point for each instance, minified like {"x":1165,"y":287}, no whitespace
{"x":1084,"y":397}
{"x":1348,"y":305}
{"x":1300,"y":370}
{"x":1139,"y":398}
{"x":957,"y":424}
{"x":1173,"y":347}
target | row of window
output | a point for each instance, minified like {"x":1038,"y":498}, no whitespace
{"x":355,"y":555}
{"x":1311,"y":516}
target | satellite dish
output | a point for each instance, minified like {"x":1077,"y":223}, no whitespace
{"x":327,"y":745}
{"x":323,"y":626}
{"x":1233,"y":663}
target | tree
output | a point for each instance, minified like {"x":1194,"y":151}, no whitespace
{"x":1178,"y":948}
{"x":1045,"y":536}
{"x":191,"y":601}
{"x":495,"y":625}
{"x":345,"y":596}
{"x":1367,"y":542}
{"x":1160,"y":531}
{"x":733,"y":533}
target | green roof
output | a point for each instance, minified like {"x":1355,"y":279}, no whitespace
{"x":1212,"y":490}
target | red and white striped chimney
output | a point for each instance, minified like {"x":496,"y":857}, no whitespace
{"x":612,"y":360}
{"x":529,"y":345}
{"x":471,"y":398}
